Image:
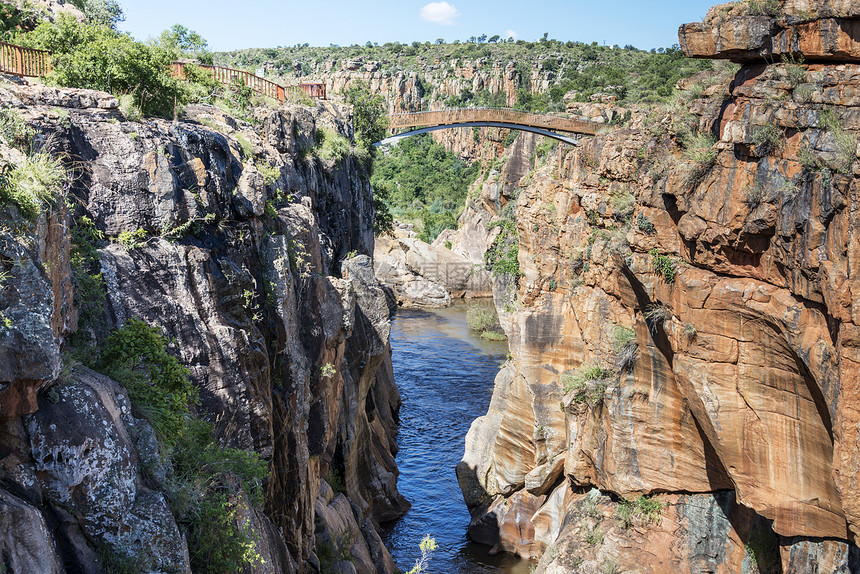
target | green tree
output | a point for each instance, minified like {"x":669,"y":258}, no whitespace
{"x":97,"y":57}
{"x":101,"y":12}
{"x":14,"y":18}
{"x":369,"y":118}
{"x":186,"y":42}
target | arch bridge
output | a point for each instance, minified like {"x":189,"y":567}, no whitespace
{"x":543,"y":124}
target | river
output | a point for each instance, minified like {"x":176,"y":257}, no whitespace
{"x":445,"y":374}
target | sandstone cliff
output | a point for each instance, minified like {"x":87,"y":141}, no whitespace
{"x":253,"y":256}
{"x":681,"y":395}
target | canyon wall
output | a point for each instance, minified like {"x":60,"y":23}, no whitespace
{"x":681,"y":395}
{"x":252,"y":255}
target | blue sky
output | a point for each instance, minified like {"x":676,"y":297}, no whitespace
{"x":269,"y":23}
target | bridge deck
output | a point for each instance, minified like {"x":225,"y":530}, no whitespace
{"x":499,"y":115}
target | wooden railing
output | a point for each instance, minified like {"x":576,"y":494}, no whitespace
{"x":256,"y":83}
{"x":26,"y":62}
{"x":501,"y":115}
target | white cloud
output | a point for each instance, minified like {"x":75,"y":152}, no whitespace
{"x":440,"y":13}
{"x":510,"y":34}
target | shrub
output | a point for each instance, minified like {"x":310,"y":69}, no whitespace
{"x":502,"y":258}
{"x":132,"y":240}
{"x":767,"y":139}
{"x":197,"y":459}
{"x":270,"y":174}
{"x":846,"y":143}
{"x":753,"y":195}
{"x":14,"y":131}
{"x":158,"y":385}
{"x":623,"y":203}
{"x":700,"y":156}
{"x":663,"y":266}
{"x":588,"y":384}
{"x":368,"y":117}
{"x":204,"y":476}
{"x":624,"y":346}
{"x":98,"y":57}
{"x":762,"y":547}
{"x":486,"y":322}
{"x":644,"y":508}
{"x":594,"y":536}
{"x":657,"y":313}
{"x":764,"y":7}
{"x":795,"y":70}
{"x":87,"y":279}
{"x":332,"y":146}
{"x":246,"y":146}
{"x":129,"y":108}
{"x":335,"y":481}
{"x":803,"y":93}
{"x":644,"y":224}
{"x":37,"y":182}
{"x":216,"y":542}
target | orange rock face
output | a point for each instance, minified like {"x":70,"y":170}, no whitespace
{"x":743,"y":32}
{"x":686,"y":322}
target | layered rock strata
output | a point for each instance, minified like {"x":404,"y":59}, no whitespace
{"x":244,"y":255}
{"x":681,"y":390}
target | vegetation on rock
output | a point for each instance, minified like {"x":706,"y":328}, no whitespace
{"x":485,"y":321}
{"x":578,"y":69}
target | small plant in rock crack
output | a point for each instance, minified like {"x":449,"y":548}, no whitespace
{"x":644,"y":508}
{"x":625,"y":348}
{"x":754,"y":195}
{"x":767,"y":139}
{"x":588,"y":384}
{"x":644,"y":224}
{"x":689,"y":331}
{"x":664,"y":265}
{"x":327,"y":370}
{"x":657,"y":314}
{"x":132,"y":240}
{"x":594,"y":536}
{"x":846,"y":142}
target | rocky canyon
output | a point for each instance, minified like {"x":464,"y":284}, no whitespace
{"x":252,"y":257}
{"x":680,"y":395}
{"x":679,"y":295}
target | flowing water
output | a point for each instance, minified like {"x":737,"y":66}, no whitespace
{"x":445,"y":375}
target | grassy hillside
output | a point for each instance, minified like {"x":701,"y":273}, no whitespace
{"x":630,"y":74}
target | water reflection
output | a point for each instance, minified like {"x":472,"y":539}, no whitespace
{"x":445,"y":375}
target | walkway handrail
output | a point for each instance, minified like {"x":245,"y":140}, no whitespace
{"x":25,"y":62}
{"x":252,"y":81}
{"x":505,"y":115}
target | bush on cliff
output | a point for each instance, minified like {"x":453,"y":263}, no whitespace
{"x":368,"y":111}
{"x":502,"y":257}
{"x":37,"y":180}
{"x":98,"y":57}
{"x":209,"y":484}
{"x":157,"y":384}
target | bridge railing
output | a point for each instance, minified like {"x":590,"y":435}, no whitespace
{"x":25,"y":62}
{"x":501,"y":115}
{"x":254,"y":82}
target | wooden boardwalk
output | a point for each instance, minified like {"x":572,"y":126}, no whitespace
{"x":24,"y":62}
{"x":454,"y":117}
{"x":259,"y":85}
